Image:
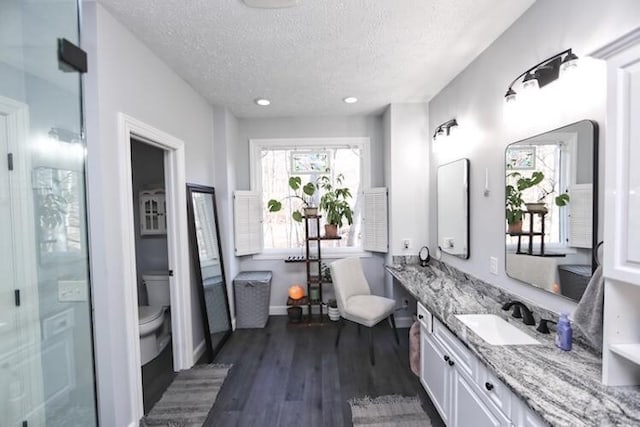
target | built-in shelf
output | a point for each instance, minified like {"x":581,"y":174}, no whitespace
{"x":628,"y":351}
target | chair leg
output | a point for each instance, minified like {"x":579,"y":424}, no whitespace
{"x":395,"y":331}
{"x":371,"y":356}
{"x":340,"y":326}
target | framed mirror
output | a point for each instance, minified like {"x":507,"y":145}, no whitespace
{"x":206,"y":252}
{"x":453,"y":208}
{"x":551,"y":197}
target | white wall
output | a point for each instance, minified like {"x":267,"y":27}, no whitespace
{"x":406,"y":170}
{"x":475,"y":98}
{"x":225,"y":142}
{"x":124,"y":76}
{"x":285,"y":275}
{"x":409,"y":176}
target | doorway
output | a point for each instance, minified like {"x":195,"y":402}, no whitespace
{"x":152,"y":265}
{"x":177,"y":248}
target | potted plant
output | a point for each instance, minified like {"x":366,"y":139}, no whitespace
{"x":514,"y":200}
{"x":335,"y":203}
{"x":304,"y":193}
{"x":333,"y":312}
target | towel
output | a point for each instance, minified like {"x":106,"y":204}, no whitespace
{"x":588,"y":315}
{"x":414,"y":348}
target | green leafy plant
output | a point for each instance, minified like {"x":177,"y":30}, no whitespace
{"x":304,"y":193}
{"x":335,"y":200}
{"x":52,"y":210}
{"x":513,"y":194}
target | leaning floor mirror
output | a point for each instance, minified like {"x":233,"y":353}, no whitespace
{"x":206,"y":252}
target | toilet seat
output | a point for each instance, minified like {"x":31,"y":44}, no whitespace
{"x":149,"y":313}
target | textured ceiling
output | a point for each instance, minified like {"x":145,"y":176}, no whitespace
{"x":305,"y":59}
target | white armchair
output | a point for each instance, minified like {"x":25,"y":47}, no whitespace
{"x":355,"y":301}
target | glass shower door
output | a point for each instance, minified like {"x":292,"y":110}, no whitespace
{"x":46,"y":348}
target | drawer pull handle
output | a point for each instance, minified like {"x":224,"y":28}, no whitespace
{"x":451,"y":363}
{"x":420,"y":316}
{"x":488,"y":386}
{"x":446,"y":358}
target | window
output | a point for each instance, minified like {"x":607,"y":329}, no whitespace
{"x":550,"y":158}
{"x":273,"y":161}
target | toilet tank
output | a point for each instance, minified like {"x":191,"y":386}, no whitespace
{"x":157,"y":285}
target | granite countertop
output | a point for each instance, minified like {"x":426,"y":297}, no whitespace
{"x":564,"y":388}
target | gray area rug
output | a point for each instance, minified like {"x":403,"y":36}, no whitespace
{"x":187,"y":401}
{"x":387,"y":411}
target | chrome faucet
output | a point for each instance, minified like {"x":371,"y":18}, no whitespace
{"x":520,"y":311}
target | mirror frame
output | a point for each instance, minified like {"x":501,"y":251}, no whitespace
{"x":195,"y":257}
{"x":467,"y":168}
{"x":595,"y":201}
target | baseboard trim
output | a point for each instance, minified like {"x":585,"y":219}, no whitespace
{"x":199,"y":351}
{"x":404,"y":322}
{"x":277,"y":310}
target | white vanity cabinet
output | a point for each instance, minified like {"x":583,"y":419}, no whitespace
{"x":153,"y":218}
{"x":463,"y":390}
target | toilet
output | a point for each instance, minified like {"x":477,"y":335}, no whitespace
{"x":154,"y":320}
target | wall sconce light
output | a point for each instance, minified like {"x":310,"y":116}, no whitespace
{"x":444,"y":129}
{"x":543,"y":73}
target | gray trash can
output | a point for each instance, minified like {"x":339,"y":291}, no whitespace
{"x":252,"y":290}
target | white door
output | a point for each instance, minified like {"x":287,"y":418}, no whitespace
{"x":21,"y":393}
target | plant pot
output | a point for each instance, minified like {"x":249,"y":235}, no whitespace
{"x":310,"y":211}
{"x":536,"y":207}
{"x":334,"y":313}
{"x":331,"y":230}
{"x":295,"y":314}
{"x":515,"y":227}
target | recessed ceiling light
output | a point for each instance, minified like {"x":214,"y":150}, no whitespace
{"x":263,"y":102}
{"x":350,"y":100}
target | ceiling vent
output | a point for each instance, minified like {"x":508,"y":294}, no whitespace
{"x":271,"y":4}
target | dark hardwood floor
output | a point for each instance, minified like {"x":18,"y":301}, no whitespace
{"x":292,"y":375}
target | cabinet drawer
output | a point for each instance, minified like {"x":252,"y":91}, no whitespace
{"x":425,"y":318}
{"x":460,"y":355}
{"x":494,"y":390}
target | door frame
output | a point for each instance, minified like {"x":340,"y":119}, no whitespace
{"x":177,"y":243}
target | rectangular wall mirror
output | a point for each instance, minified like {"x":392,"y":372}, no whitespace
{"x":453,"y":208}
{"x":206,"y":251}
{"x":551,"y":209}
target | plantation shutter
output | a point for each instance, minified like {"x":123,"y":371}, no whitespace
{"x":580,"y":216}
{"x":374,"y":222}
{"x":247,"y":222}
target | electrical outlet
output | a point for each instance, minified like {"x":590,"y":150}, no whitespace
{"x":405,"y":304}
{"x":406,"y":243}
{"x":449,"y":242}
{"x":493,"y":265}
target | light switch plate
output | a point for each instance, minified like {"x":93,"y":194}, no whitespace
{"x":72,"y":290}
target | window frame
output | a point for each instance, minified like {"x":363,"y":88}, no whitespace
{"x":257,"y":145}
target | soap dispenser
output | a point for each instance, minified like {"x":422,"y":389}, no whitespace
{"x":564,"y":333}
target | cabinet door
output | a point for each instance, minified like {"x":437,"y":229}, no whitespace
{"x":435,"y":374}
{"x":523,"y":416}
{"x":468,"y":407}
{"x":622,"y":155}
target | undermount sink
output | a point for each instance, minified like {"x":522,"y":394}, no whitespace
{"x":495,"y":330}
